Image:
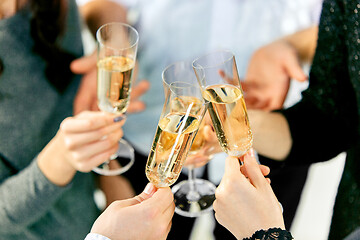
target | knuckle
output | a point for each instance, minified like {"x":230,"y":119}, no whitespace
{"x":76,"y":156}
{"x":64,"y":123}
{"x":107,"y":143}
{"x":69,"y":143}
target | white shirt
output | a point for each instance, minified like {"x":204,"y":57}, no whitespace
{"x":172,"y":30}
{"x":95,"y":236}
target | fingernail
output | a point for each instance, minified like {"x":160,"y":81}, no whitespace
{"x":149,"y":189}
{"x":251,"y":152}
{"x":118,"y":118}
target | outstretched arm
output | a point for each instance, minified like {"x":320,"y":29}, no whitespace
{"x":273,"y":66}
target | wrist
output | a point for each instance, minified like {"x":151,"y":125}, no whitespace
{"x":54,"y":166}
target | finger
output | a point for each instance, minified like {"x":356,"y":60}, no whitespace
{"x":232,"y":167}
{"x":142,"y":87}
{"x":265,"y":170}
{"x":84,"y":64}
{"x":249,"y":85}
{"x":88,"y":121}
{"x":227,"y":78}
{"x":73,"y":141}
{"x":136,"y":106}
{"x":293,"y":68}
{"x":148,"y":192}
{"x":253,"y":171}
{"x":90,"y":150}
{"x":197,"y":161}
{"x":86,"y":165}
{"x":268,"y":180}
{"x":163,"y":197}
{"x":86,"y":95}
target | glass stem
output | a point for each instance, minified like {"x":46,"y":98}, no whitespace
{"x":192,"y":179}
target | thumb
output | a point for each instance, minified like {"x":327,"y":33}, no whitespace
{"x":83,"y":64}
{"x":149,"y":190}
{"x":294,"y":69}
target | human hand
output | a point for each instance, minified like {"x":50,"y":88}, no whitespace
{"x":86,"y":96}
{"x":269,"y":73}
{"x":207,"y":144}
{"x":82,"y":143}
{"x":136,"y":105}
{"x":90,"y":138}
{"x":144,"y":217}
{"x":246,"y":203}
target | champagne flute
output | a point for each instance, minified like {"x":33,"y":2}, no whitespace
{"x":218,"y":77}
{"x":219,"y":80}
{"x":192,"y":197}
{"x":117,"y":47}
{"x":182,"y":114}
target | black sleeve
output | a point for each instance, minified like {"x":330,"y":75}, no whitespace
{"x":271,"y":234}
{"x":324,"y":123}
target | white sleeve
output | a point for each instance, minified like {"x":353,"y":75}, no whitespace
{"x":95,"y":236}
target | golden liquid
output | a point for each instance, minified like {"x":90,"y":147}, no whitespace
{"x":181,"y":104}
{"x":229,"y":116}
{"x":171,"y":144}
{"x":114,"y":85}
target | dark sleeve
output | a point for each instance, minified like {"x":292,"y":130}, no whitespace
{"x":271,"y":234}
{"x":324,"y":123}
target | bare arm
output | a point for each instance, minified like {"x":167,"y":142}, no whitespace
{"x":272,"y":66}
{"x":304,"y":42}
{"x":98,"y":12}
{"x":271,"y":132}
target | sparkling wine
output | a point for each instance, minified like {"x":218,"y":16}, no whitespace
{"x":228,"y":113}
{"x":171,"y":144}
{"x":113,"y":91}
{"x":181,"y":104}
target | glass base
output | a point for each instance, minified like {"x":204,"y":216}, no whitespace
{"x":194,"y":203}
{"x":120,"y":162}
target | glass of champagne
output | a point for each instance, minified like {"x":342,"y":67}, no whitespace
{"x":219,"y":80}
{"x":117,"y":48}
{"x":181,"y":117}
{"x":193,"y":197}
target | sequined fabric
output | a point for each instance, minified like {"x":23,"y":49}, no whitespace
{"x":326,"y":121}
{"x":271,"y":234}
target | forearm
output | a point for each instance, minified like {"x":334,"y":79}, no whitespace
{"x":53,"y":165}
{"x":304,"y":42}
{"x":115,"y":188}
{"x":271,"y":133}
{"x":99,"y":12}
{"x":25,"y":197}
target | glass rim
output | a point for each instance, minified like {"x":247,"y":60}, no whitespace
{"x":212,"y":53}
{"x":119,"y":24}
{"x":171,"y":65}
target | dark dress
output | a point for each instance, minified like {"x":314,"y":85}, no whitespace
{"x":326,"y":121}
